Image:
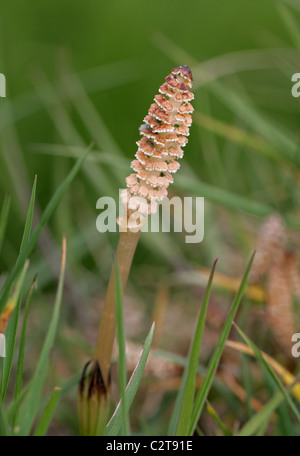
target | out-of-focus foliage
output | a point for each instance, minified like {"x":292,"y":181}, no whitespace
{"x":83,"y":72}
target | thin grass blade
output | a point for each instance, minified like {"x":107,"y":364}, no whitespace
{"x":47,"y":415}
{"x":213,"y":413}
{"x":115,"y":423}
{"x":271,"y":372}
{"x":29,"y":218}
{"x":10,"y":314}
{"x":28,"y":247}
{"x":30,"y":406}
{"x":3,"y":422}
{"x":186,"y":394}
{"x":258,"y":420}
{"x":215,"y":359}
{"x":287,"y":377}
{"x":13,"y":325}
{"x":291,"y":23}
{"x":20,"y":363}
{"x":4,"y":218}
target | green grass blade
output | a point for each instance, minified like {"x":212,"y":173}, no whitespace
{"x":237,"y":135}
{"x":271,"y":372}
{"x":186,"y":394}
{"x":89,"y":114}
{"x":53,"y":203}
{"x":213,"y":413}
{"x":94,"y":80}
{"x":122,"y":350}
{"x":68,"y":131}
{"x":31,"y":403}
{"x":215,"y":359}
{"x":20,"y":363}
{"x":4,"y":218}
{"x":13,"y":324}
{"x":291,"y":23}
{"x":246,"y":381}
{"x":115,"y":423}
{"x":223,"y":197}
{"x":14,"y":303}
{"x":46,"y":417}
{"x":229,"y":199}
{"x":259,"y":122}
{"x":3,"y":422}
{"x":101,"y":157}
{"x":13,"y":408}
{"x":260,"y":418}
{"x":29,"y":218}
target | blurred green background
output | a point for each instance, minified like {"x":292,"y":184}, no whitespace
{"x":79,"y":72}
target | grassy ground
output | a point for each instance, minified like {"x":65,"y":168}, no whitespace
{"x":78,"y":73}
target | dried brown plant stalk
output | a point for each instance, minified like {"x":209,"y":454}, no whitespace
{"x":125,"y":252}
{"x":280,"y":269}
{"x":164,"y":133}
{"x":270,"y":248}
{"x":283,"y":292}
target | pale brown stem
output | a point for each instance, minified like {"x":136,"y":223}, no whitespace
{"x":125,"y":252}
